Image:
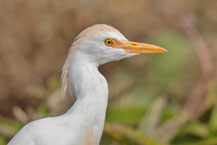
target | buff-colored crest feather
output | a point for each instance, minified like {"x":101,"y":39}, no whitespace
{"x":66,"y":85}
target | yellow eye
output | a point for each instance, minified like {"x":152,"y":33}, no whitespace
{"x":108,"y":42}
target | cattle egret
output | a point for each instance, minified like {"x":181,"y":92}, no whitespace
{"x":83,"y":123}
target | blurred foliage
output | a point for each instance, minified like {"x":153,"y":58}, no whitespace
{"x":157,"y":99}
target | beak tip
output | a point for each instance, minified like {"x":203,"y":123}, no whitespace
{"x":165,"y":51}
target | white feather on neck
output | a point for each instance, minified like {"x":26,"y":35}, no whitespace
{"x":91,"y":92}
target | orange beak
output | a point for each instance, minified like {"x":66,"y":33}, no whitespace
{"x":136,"y":47}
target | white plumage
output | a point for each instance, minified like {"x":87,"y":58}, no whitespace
{"x":83,"y":123}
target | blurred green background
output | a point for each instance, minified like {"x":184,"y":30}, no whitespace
{"x":155,"y":99}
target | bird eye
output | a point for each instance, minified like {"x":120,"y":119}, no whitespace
{"x":108,"y":42}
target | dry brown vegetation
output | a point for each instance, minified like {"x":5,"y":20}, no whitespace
{"x":35,"y":37}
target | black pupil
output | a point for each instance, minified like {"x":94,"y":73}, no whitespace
{"x":109,"y":42}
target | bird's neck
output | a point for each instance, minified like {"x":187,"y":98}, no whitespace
{"x":91,"y":92}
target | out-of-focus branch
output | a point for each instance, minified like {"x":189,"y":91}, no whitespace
{"x":202,"y":50}
{"x":20,"y":114}
{"x":149,"y":123}
{"x":200,"y":45}
{"x":123,"y":134}
{"x":196,"y":100}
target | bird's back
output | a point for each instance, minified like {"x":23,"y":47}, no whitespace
{"x":47,"y":131}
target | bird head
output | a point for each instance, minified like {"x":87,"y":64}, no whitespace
{"x":102,"y":43}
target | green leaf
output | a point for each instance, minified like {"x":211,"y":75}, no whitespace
{"x":125,"y":114}
{"x":2,"y":141}
{"x":213,"y":119}
{"x":198,"y":129}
